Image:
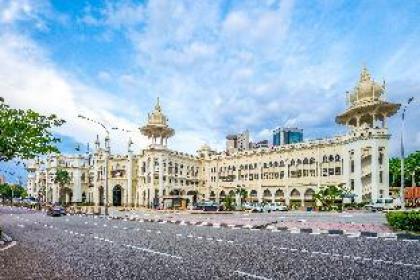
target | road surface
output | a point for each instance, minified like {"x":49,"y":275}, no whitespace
{"x":84,"y":247}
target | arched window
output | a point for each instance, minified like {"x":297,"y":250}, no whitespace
{"x":337,"y":158}
{"x":267,"y":193}
{"x":279,"y":193}
{"x":305,"y":161}
{"x":309,"y":193}
{"x":253,"y":193}
{"x":294,"y":193}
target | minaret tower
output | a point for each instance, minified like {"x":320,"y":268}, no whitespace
{"x":367,"y":107}
{"x":157,"y":129}
{"x":365,"y":160}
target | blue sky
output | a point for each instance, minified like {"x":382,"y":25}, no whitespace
{"x":219,"y":67}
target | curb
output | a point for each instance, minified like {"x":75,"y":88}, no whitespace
{"x":400,"y":236}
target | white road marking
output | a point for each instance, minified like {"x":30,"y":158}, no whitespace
{"x":251,"y":275}
{"x":13,"y":243}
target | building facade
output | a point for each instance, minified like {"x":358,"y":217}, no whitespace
{"x":291,"y":173}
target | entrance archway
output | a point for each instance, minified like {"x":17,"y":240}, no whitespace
{"x":116,"y":195}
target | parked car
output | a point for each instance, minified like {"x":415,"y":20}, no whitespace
{"x":208,"y":206}
{"x":277,"y":206}
{"x":30,"y":201}
{"x":56,"y":210}
{"x":247,"y":206}
{"x":256,"y":207}
{"x":381,"y":204}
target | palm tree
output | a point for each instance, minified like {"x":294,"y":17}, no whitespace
{"x":62,"y":177}
{"x":242,"y":193}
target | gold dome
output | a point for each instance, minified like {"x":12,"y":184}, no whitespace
{"x":366,"y":89}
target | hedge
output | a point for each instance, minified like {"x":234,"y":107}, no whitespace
{"x":404,"y":220}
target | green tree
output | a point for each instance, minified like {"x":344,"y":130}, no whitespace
{"x":6,"y":191}
{"x":62,"y":177}
{"x":411,"y":170}
{"x":328,"y":195}
{"x":228,"y":202}
{"x":25,"y":133}
{"x":394,"y":172}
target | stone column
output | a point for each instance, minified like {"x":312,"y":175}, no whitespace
{"x":152,"y":181}
{"x":161,"y":186}
{"x":96,"y":184}
{"x":130,"y":179}
{"x":55,"y":192}
{"x":77,"y":181}
{"x":375,"y":171}
{"x":346,"y":168}
{"x":385,"y":168}
{"x":358,"y":188}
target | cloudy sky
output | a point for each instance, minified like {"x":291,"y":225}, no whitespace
{"x":218,"y":67}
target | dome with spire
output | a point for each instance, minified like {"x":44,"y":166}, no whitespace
{"x":366,"y":90}
{"x":157,"y":126}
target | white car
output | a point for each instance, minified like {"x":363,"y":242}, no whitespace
{"x":277,"y":206}
{"x":381,"y":204}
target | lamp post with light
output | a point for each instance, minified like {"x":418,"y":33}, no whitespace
{"x":402,"y":152}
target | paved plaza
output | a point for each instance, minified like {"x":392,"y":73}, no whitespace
{"x":89,"y":247}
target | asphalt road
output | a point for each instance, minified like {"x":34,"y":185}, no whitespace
{"x":80,"y":247}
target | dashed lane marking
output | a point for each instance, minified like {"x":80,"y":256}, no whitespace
{"x":251,"y":275}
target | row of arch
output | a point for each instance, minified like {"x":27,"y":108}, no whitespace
{"x":281,"y":163}
{"x":309,"y":193}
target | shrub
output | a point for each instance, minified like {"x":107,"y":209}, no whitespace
{"x":407,"y":220}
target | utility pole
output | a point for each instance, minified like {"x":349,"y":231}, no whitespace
{"x":402,"y":153}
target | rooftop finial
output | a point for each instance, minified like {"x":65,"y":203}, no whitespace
{"x":364,"y":75}
{"x":157,"y":107}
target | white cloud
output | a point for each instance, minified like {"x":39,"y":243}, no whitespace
{"x":29,"y":80}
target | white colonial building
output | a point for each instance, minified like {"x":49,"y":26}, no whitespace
{"x":160,"y":177}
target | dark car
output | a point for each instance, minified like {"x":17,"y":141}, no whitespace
{"x":208,"y":206}
{"x":56,"y":210}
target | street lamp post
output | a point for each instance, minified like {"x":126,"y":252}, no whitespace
{"x":107,"y":153}
{"x":402,"y":153}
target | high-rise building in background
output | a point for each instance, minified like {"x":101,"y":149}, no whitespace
{"x":237,"y":142}
{"x":283,"y":136}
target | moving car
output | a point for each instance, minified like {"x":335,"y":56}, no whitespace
{"x":56,"y":210}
